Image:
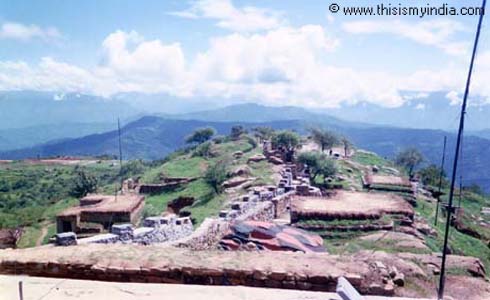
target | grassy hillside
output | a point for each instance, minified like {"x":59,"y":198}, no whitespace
{"x":183,"y":164}
{"x":459,"y":242}
{"x":31,"y":194}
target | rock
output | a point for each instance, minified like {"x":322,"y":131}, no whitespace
{"x":256,"y":158}
{"x":399,"y":279}
{"x":375,"y":169}
{"x":379,"y":265}
{"x":276,"y":160}
{"x":66,"y":239}
{"x":238,"y":154}
{"x":393,"y":272}
{"x":240,"y":171}
{"x":234,"y":182}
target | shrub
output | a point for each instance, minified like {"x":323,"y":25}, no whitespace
{"x":203,"y":150}
{"x":215,"y":175}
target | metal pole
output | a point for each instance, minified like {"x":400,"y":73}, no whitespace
{"x":21,"y":291}
{"x":440,"y":293}
{"x":460,"y":190}
{"x":120,"y":153}
{"x":441,"y":174}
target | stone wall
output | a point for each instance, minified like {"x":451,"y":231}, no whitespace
{"x":205,"y":236}
{"x":173,"y":229}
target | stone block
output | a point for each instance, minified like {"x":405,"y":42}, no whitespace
{"x":66,"y":239}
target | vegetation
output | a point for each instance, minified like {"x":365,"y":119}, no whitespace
{"x":431,"y":176}
{"x":324,"y":138}
{"x":263,"y":133}
{"x":318,"y":164}
{"x":204,"y":150}
{"x":200,"y":135}
{"x":346,"y":144}
{"x":84,"y":184}
{"x":236,"y":132}
{"x":215,"y":175}
{"x":409,"y":159}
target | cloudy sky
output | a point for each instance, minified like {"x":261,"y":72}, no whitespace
{"x":272,"y":52}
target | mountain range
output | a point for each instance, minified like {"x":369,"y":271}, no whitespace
{"x":153,"y":137}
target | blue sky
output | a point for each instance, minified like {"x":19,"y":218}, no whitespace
{"x":274,"y":52}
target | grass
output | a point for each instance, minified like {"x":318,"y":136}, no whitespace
{"x":385,"y":219}
{"x":262,"y":171}
{"x":351,"y":244}
{"x":460,"y":243}
{"x":183,"y":166}
{"x":370,"y":159}
{"x":51,"y":232}
{"x":207,"y":202}
{"x":29,"y":237}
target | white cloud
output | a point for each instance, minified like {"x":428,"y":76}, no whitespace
{"x":284,"y":66}
{"x":436,"y":33}
{"x":420,"y":106}
{"x":454,"y":98}
{"x":241,"y":19}
{"x":18,"y":31}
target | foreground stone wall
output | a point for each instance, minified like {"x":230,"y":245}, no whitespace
{"x":153,"y":264}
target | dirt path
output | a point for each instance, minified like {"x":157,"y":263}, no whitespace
{"x":44,"y":232}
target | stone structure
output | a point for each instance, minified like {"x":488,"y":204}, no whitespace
{"x":66,"y":239}
{"x":155,"y":230}
{"x":352,"y":206}
{"x":102,"y":209}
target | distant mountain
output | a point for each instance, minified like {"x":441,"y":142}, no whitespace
{"x":27,"y":109}
{"x":17,"y":138}
{"x":251,"y":112}
{"x":481,"y":133}
{"x":147,"y":138}
{"x":433,"y":112}
{"x":155,"y":137}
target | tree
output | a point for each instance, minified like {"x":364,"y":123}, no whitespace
{"x":431,"y":175}
{"x":236,"y":132}
{"x":409,"y":159}
{"x":263,"y":133}
{"x":347,"y":145}
{"x":84,"y":184}
{"x":286,"y":139}
{"x":324,"y":138}
{"x":318,"y":163}
{"x":200,"y":135}
{"x":215,"y":175}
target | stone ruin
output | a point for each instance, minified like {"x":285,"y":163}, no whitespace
{"x":155,"y":230}
{"x":100,"y":209}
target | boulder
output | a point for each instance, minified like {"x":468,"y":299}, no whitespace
{"x":234,"y":182}
{"x":256,"y":158}
{"x":276,"y":160}
{"x":240,"y":171}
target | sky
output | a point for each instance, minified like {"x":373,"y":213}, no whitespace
{"x":272,"y":52}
